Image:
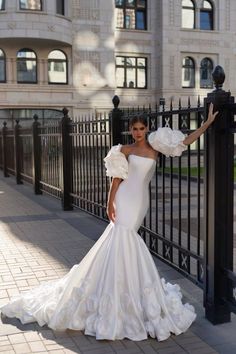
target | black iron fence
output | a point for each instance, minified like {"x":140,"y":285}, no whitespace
{"x":90,"y":141}
{"x":65,"y":159}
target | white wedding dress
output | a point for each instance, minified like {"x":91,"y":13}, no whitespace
{"x":115,"y":292}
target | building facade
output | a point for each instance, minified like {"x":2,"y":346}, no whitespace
{"x":80,"y":53}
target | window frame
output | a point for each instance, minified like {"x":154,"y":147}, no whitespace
{"x":136,"y":67}
{"x":136,"y":9}
{"x":4,"y":66}
{"x":58,"y":61}
{"x":211,"y":15}
{"x":193,"y":8}
{"x":25,"y":60}
{"x":27,"y":9}
{"x":193,"y":67}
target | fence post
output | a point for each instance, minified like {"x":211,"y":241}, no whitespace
{"x":36,"y":156}
{"x":17,"y":152}
{"x":115,"y":118}
{"x":66,"y":161}
{"x":218,"y":203}
{"x":4,"y":150}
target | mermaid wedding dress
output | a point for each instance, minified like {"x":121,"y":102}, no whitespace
{"x":115,"y":292}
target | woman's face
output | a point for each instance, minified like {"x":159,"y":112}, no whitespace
{"x":138,"y":131}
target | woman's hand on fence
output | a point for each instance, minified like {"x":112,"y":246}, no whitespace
{"x":198,"y":132}
{"x":111,"y":212}
{"x":211,"y":116}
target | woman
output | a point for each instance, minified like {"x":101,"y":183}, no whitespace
{"x":115,"y":292}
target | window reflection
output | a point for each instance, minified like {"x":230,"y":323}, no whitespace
{"x":26,"y":66}
{"x":31,"y":5}
{"x":206,"y":16}
{"x":57,"y":67}
{"x":188,"y":72}
{"x":206,"y":69}
{"x":131,"y":72}
{"x":2,"y":4}
{"x":188,"y":14}
{"x":60,"y":7}
{"x":2,"y":66}
{"x":131,"y":14}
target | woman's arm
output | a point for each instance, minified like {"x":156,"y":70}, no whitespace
{"x":198,"y":132}
{"x":111,"y":196}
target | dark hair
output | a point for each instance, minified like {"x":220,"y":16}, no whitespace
{"x":138,"y":119}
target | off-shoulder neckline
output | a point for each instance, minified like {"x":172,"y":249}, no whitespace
{"x":144,"y":157}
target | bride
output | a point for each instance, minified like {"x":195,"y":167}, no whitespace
{"x":115,"y":292}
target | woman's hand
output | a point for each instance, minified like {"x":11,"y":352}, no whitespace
{"x":111,"y":212}
{"x":211,"y":115}
{"x":198,"y":132}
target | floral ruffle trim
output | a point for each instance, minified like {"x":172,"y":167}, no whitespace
{"x":167,"y":141}
{"x":152,"y":313}
{"x":116,"y":163}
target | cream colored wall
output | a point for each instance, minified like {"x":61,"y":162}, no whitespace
{"x":178,"y":43}
{"x":88,"y":36}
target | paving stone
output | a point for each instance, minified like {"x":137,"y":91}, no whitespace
{"x":17,"y":338}
{"x":52,"y":346}
{"x":3,"y":294}
{"x":32,"y":336}
{"x":172,"y":351}
{"x":22,"y":348}
{"x":6,"y":348}
{"x":37,"y":346}
{"x":147,"y":349}
{"x":100,"y":351}
{"x":206,"y":351}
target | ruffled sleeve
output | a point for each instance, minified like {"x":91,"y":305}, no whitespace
{"x":116,"y":163}
{"x":167,"y":141}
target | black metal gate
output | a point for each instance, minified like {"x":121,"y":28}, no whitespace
{"x":220,"y":276}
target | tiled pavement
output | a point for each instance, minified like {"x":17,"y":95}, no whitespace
{"x":39,"y":242}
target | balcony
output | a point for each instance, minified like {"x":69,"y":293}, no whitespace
{"x":35,"y":25}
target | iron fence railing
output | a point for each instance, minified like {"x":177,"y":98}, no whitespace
{"x":68,"y":163}
{"x":91,"y":140}
{"x":25,"y":151}
{"x":50,"y":150}
{"x":65,"y":159}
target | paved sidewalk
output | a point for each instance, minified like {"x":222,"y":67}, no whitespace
{"x":40,"y":242}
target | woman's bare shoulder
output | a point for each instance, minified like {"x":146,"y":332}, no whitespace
{"x":126,"y":149}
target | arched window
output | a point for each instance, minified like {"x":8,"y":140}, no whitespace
{"x":57,"y":67}
{"x":188,"y":14}
{"x":2,"y":66}
{"x":206,"y":16}
{"x":33,"y":5}
{"x":188,"y":72}
{"x":2,"y":5}
{"x":206,"y":69}
{"x":26,"y":66}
